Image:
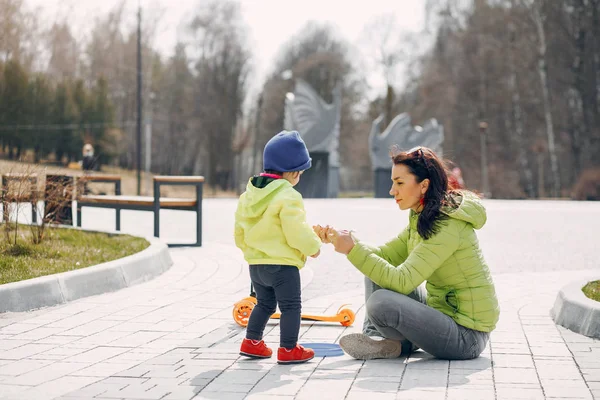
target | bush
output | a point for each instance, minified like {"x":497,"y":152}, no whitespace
{"x":588,"y":185}
{"x":592,"y":290}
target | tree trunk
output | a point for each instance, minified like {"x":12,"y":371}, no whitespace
{"x":595,"y":16}
{"x":389,"y":100}
{"x":541,"y":177}
{"x":574,"y":102}
{"x":238,"y":172}
{"x":518,"y":120}
{"x":483,"y":138}
{"x":581,"y":84}
{"x":542,"y":71}
{"x":595,"y":23}
{"x":36,"y":154}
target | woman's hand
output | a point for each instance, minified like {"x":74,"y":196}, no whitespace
{"x":343,"y":242}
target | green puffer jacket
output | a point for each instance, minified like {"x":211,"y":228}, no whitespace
{"x":270,"y":224}
{"x":459,"y":283}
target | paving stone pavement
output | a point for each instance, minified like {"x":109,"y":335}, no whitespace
{"x":174,"y":337}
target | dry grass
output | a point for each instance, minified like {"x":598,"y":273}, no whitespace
{"x":62,"y":250}
{"x":592,"y":290}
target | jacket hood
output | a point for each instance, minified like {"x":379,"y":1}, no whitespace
{"x":256,"y":199}
{"x":465,"y":206}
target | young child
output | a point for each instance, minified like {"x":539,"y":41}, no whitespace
{"x":271,"y":230}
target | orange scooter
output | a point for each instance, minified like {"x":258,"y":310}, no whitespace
{"x":243,"y":308}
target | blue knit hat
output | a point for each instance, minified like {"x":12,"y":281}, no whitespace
{"x":286,"y":152}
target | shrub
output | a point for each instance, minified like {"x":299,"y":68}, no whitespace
{"x":588,"y":185}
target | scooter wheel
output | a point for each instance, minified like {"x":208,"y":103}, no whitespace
{"x":241,"y":312}
{"x":347,"y":317}
{"x":251,"y":299}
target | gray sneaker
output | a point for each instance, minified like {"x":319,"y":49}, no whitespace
{"x":362,"y":347}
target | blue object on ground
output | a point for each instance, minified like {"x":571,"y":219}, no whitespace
{"x":325,"y":349}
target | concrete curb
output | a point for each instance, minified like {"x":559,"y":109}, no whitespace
{"x":576,"y":312}
{"x":60,"y":288}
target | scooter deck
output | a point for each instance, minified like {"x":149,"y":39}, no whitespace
{"x":243,"y":308}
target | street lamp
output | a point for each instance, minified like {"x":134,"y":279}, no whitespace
{"x":139,"y":101}
{"x":485,"y":181}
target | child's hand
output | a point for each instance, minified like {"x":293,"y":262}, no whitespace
{"x":316,"y":254}
{"x":322,"y":233}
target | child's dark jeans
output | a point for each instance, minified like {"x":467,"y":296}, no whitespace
{"x":276,"y":284}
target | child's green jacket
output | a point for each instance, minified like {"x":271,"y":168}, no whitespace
{"x":270,"y":224}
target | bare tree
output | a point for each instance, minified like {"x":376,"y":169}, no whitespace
{"x":319,"y":56}
{"x":539,"y":19}
{"x":18,"y":32}
{"x":517,"y":117}
{"x":64,"y":52}
{"x":535,"y":84}
{"x":386,"y":47}
{"x":110,"y":35}
{"x":174,"y":117}
{"x":222,"y":65}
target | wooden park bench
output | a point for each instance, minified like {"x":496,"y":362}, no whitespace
{"x":58,"y":192}
{"x":26,"y":191}
{"x":99,"y":178}
{"x":102,"y":178}
{"x":151,"y":203}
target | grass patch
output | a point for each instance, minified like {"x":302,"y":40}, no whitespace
{"x":62,"y":250}
{"x":592,"y":290}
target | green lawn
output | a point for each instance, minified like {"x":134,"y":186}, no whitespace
{"x":62,"y":250}
{"x":592,"y":290}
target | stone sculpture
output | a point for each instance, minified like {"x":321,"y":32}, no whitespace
{"x":319,"y":125}
{"x":404,"y":136}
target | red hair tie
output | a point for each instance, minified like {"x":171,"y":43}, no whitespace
{"x":270,"y":175}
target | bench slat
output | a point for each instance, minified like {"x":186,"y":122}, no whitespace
{"x":19,"y":175}
{"x":100,"y":177}
{"x":190,"y":179}
{"x":145,"y":201}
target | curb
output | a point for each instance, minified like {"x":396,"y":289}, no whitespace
{"x":576,"y":312}
{"x":63,"y":287}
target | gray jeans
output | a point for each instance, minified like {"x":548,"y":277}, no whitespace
{"x":407,"y":318}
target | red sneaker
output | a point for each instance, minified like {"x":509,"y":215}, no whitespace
{"x":255,"y":349}
{"x":295,"y":355}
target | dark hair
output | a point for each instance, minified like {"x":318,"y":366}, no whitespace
{"x":423,"y":163}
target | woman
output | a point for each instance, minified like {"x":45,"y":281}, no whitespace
{"x":438,"y":246}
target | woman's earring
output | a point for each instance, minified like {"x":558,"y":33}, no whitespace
{"x":422,"y":201}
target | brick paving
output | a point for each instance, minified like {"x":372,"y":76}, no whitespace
{"x":174,"y":337}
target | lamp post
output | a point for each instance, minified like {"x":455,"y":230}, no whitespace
{"x":139,"y":102}
{"x":485,"y":181}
